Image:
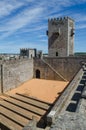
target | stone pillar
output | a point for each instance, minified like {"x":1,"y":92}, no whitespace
{"x":31,"y":125}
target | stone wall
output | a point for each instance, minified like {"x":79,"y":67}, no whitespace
{"x":63,"y":100}
{"x":69,"y":111}
{"x":45,"y":71}
{"x":66,"y":66}
{"x":60,"y":37}
{"x":28,"y":52}
{"x":15,"y":72}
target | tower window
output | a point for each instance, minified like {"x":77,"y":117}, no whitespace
{"x":56,"y":53}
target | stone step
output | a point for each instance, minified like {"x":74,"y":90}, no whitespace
{"x":9,"y":123}
{"x":18,"y":110}
{"x":26,"y":106}
{"x":31,"y":102}
{"x":13,"y":116}
{"x":35,"y":99}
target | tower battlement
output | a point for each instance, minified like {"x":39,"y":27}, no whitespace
{"x":59,"y":19}
{"x":23,"y":48}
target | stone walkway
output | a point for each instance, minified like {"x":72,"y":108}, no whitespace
{"x":73,"y":113}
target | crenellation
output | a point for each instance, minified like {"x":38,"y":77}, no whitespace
{"x":14,"y":60}
{"x":59,"y":19}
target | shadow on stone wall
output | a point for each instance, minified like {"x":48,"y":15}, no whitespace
{"x":76,"y":97}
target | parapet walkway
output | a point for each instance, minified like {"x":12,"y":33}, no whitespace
{"x":17,"y":110}
{"x":71,"y":113}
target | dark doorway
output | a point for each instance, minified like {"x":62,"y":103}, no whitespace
{"x":38,"y":74}
{"x":56,"y":53}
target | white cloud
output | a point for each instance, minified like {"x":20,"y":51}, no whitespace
{"x":7,"y":6}
{"x":79,"y":17}
{"x":31,"y":17}
{"x":42,"y":36}
{"x":20,"y":20}
{"x":24,"y":18}
{"x":81,"y":26}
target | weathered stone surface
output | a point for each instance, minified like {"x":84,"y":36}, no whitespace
{"x":82,"y":107}
{"x":60,"y":37}
{"x":70,"y":121}
{"x":66,"y":66}
{"x":28,"y":52}
{"x":65,"y":99}
{"x":84,"y":93}
{"x":15,"y":72}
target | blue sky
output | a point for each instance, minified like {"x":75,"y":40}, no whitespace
{"x":23,"y":23}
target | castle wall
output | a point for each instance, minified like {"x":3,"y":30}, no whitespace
{"x":66,"y":66}
{"x":16,"y":72}
{"x":45,"y":71}
{"x":28,"y":52}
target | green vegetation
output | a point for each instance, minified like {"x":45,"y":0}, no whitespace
{"x":80,"y":54}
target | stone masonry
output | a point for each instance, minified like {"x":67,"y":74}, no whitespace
{"x":28,"y":52}
{"x":60,"y":37}
{"x":15,"y":72}
{"x":65,"y":66}
{"x":72,"y":115}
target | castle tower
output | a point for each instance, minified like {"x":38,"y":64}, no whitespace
{"x":60,"y":37}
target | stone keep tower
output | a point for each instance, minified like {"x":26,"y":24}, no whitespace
{"x":60,"y":37}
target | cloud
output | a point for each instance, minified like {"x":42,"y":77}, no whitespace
{"x":7,"y":6}
{"x":80,"y":20}
{"x":81,"y":26}
{"x":20,"y":20}
{"x":41,"y":36}
{"x":78,"y":17}
{"x":30,"y":14}
{"x":24,"y":18}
